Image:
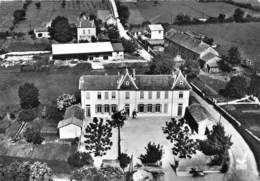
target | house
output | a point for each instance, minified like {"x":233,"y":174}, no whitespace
{"x":198,"y":119}
{"x":86,"y":30}
{"x":87,"y":51}
{"x":41,"y":33}
{"x":156,"y":31}
{"x":70,"y":128}
{"x":209,"y":63}
{"x":149,"y":95}
{"x":187,"y":46}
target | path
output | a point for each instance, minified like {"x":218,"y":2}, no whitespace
{"x":245,"y":163}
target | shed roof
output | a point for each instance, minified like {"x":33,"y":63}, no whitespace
{"x":155,"y":27}
{"x":69,"y":121}
{"x":80,"y":48}
{"x":210,"y":56}
{"x":118,"y":47}
{"x":198,"y":112}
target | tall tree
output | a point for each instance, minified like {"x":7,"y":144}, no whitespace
{"x":98,"y":137}
{"x":129,"y":45}
{"x":234,"y":56}
{"x":123,"y":12}
{"x":33,"y":136}
{"x":161,"y":64}
{"x":153,"y":153}
{"x":29,"y":96}
{"x":179,"y":134}
{"x":60,"y":30}
{"x":235,"y":88}
{"x":118,"y":121}
{"x":217,"y":143}
{"x":239,"y":15}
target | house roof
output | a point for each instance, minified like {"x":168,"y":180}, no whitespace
{"x":118,"y":47}
{"x":130,"y":82}
{"x":85,"y":23}
{"x":187,"y":41}
{"x":74,"y":111}
{"x":69,"y":121}
{"x":209,"y":56}
{"x":155,"y":27}
{"x":103,"y":14}
{"x":78,"y":48}
{"x":155,"y":41}
{"x":198,"y":112}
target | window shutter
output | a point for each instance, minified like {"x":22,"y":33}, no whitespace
{"x":153,"y":108}
{"x":96,"y":108}
{"x":145,"y":107}
{"x":110,"y":108}
{"x":103,"y":109}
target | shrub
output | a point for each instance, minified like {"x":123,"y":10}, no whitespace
{"x":65,"y":100}
{"x":19,"y":15}
{"x":153,"y":153}
{"x":124,"y":160}
{"x":33,"y":136}
{"x":80,"y":159}
{"x":75,"y":141}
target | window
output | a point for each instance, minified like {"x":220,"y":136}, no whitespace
{"x":89,"y":31}
{"x":181,"y":82}
{"x":113,"y":95}
{"x":166,"y":94}
{"x":158,"y":94}
{"x":127,"y":83}
{"x":158,"y":108}
{"x":106,"y":95}
{"x":165,"y":108}
{"x":113,"y":107}
{"x":141,"y":94}
{"x":84,"y":32}
{"x":87,"y":95}
{"x":150,"y":108}
{"x":127,"y":95}
{"x":98,"y":108}
{"x":180,"y":94}
{"x":105,"y":57}
{"x":180,"y":109}
{"x":106,"y":108}
{"x":90,"y":58}
{"x":99,"y":95}
{"x":140,"y":108}
{"x":150,"y":94}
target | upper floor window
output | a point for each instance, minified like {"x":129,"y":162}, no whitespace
{"x":127,"y":95}
{"x":150,"y":94}
{"x":158,"y":94}
{"x":113,"y":95}
{"x":166,"y":94}
{"x":141,"y":94}
{"x":180,"y":94}
{"x":106,"y":95}
{"x":87,"y":95}
{"x":99,"y":95}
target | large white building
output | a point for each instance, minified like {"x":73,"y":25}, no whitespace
{"x":149,"y":95}
{"x":86,"y":30}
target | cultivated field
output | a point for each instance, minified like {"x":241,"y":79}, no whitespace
{"x":167,"y":11}
{"x":36,"y":18}
{"x":245,"y":36}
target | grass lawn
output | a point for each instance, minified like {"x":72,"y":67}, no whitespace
{"x":166,"y":11}
{"x":216,"y":84}
{"x":242,"y":35}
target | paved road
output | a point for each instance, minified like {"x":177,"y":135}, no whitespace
{"x":244,"y":167}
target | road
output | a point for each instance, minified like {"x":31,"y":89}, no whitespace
{"x":244,"y":167}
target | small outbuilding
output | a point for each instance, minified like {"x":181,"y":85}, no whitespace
{"x":70,"y":128}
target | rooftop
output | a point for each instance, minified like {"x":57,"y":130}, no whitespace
{"x":69,"y":121}
{"x":198,"y":112}
{"x":155,"y":27}
{"x":85,"y":23}
{"x":118,"y":47}
{"x":77,"y":48}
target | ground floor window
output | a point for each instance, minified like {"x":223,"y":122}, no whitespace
{"x":158,"y":108}
{"x":140,"y":107}
{"x":180,"y":109}
{"x":150,"y":108}
{"x":98,"y":108}
{"x":106,"y":107}
{"x":113,"y":107}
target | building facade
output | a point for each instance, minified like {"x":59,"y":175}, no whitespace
{"x":86,"y":30}
{"x":149,"y":95}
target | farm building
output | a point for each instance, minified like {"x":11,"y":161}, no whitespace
{"x":190,"y":48}
{"x":198,"y":119}
{"x":86,"y":30}
{"x":70,"y":128}
{"x":87,"y":51}
{"x":41,"y":33}
{"x":209,"y":63}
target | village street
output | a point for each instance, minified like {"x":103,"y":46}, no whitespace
{"x":244,"y":167}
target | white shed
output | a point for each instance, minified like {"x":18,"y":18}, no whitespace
{"x":70,"y":128}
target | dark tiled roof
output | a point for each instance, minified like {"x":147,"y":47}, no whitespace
{"x":198,"y":112}
{"x":118,"y":47}
{"x":69,"y":121}
{"x":154,"y":82}
{"x":74,"y":111}
{"x":208,"y":56}
{"x":98,"y":82}
{"x":86,"y":24}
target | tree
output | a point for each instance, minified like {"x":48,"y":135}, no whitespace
{"x":60,"y":30}
{"x":38,"y":5}
{"x":17,"y":171}
{"x":235,"y":88}
{"x":64,"y":101}
{"x":113,"y":173}
{"x":217,"y":143}
{"x":40,"y":172}
{"x":153,"y":153}
{"x":190,"y":68}
{"x":221,"y":17}
{"x":79,"y":159}
{"x":179,"y":134}
{"x":33,"y":136}
{"x":234,"y":56}
{"x":89,"y":174}
{"x":63,"y":4}
{"x":124,"y":160}
{"x":98,"y":137}
{"x":123,"y":13}
{"x":161,"y":64}
{"x":118,"y":121}
{"x":182,"y":19}
{"x":129,"y":46}
{"x":113,"y":33}
{"x":224,"y":66}
{"x":239,"y":15}
{"x":26,"y":116}
{"x":29,"y":96}
{"x":19,"y":15}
